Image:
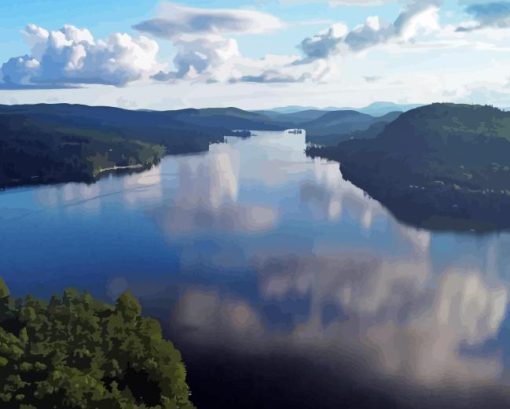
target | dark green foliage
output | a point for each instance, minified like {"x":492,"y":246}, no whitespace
{"x":75,"y":352}
{"x":4,"y":290}
{"x":440,"y":166}
{"x":59,"y":143}
{"x":36,"y":152}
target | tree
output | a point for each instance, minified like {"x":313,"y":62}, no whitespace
{"x":78,"y":353}
{"x":4,"y":290}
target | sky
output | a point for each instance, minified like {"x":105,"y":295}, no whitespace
{"x":152,"y":54}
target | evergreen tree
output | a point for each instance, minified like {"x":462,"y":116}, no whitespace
{"x":78,"y":353}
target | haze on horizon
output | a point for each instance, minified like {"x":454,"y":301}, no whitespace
{"x":254,"y":55}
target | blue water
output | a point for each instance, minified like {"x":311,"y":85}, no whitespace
{"x":294,"y":274}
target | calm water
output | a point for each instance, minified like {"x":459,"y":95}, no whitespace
{"x":284,"y":285}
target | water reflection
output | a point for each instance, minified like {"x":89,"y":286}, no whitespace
{"x":207,"y":197}
{"x":328,"y":193}
{"x":271,"y":271}
{"x":392,"y":321}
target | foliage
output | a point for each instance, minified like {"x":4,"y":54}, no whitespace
{"x":31,"y":152}
{"x":75,"y":352}
{"x":4,"y":290}
{"x":436,"y":165}
{"x":60,"y":143}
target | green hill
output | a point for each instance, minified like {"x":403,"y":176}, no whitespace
{"x":48,"y":143}
{"x":441,"y":166}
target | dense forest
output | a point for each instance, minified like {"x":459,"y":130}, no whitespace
{"x":48,"y":143}
{"x":31,"y":152}
{"x":440,"y":166}
{"x":60,"y":143}
{"x":75,"y":352}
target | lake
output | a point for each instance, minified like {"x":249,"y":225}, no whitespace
{"x":283,"y":285}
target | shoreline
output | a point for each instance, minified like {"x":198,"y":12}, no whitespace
{"x":116,"y":168}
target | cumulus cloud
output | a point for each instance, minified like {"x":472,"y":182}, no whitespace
{"x":201,"y":57}
{"x":418,"y":16}
{"x":72,"y":55}
{"x":487,"y":15}
{"x":203,"y":50}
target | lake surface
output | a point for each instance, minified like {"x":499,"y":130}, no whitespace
{"x":283,"y":285}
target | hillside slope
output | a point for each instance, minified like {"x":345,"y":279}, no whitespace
{"x":442,"y":166}
{"x":48,"y":143}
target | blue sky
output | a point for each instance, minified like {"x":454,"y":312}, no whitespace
{"x":259,"y":54}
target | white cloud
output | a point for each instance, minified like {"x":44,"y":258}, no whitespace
{"x":201,"y":57}
{"x":490,"y":14}
{"x":204,"y":52}
{"x":72,"y":56}
{"x":198,"y":34}
{"x":181,"y":22}
{"x":418,"y":16}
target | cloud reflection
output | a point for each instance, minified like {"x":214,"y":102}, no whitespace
{"x":329,"y":195}
{"x":135,"y":188}
{"x":399,"y":319}
{"x":207,"y":197}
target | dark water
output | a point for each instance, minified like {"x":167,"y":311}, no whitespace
{"x":283,"y":285}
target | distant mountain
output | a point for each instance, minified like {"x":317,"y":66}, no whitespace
{"x":230,"y":118}
{"x":291,"y":109}
{"x":440,"y":166}
{"x":293,"y":118}
{"x":338,"y":126}
{"x":339,"y":122}
{"x":376,"y":126}
{"x":375,"y":109}
{"x":384,"y":108}
{"x":329,"y":127}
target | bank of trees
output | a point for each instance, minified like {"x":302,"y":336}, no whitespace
{"x":437,"y":166}
{"x":76,"y":352}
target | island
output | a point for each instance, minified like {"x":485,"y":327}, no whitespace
{"x":77,"y":352}
{"x":441,"y":166}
